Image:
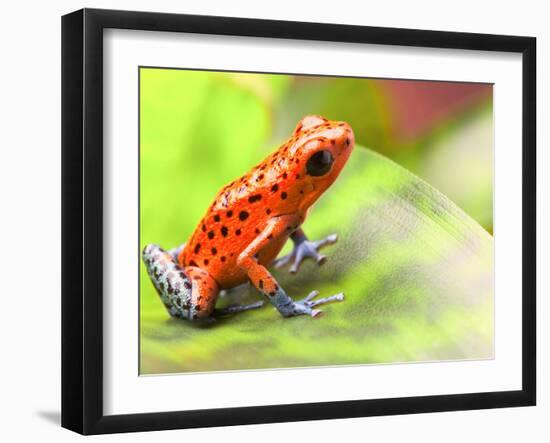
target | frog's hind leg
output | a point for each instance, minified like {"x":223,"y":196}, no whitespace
{"x":188,"y":293}
{"x":170,"y":281}
{"x":204,"y":293}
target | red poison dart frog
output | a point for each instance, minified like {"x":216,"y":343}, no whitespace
{"x":248,"y":224}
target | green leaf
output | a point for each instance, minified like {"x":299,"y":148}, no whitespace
{"x":417,"y":273}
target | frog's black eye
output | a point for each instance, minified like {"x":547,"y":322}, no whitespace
{"x":319,"y":163}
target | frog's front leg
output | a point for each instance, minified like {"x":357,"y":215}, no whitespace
{"x":304,"y":248}
{"x":188,"y":293}
{"x":260,"y":277}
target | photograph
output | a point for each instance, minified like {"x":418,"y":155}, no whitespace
{"x":269,"y":220}
{"x":297,"y":221}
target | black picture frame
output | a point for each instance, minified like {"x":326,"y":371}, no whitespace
{"x":82,"y":218}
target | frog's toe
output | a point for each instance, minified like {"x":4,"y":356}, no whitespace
{"x":321,"y":301}
{"x":308,"y":303}
{"x":321,"y":259}
{"x":303,"y":250}
{"x":317,"y":313}
{"x":328,"y":240}
{"x":283,"y":261}
{"x":311,"y":249}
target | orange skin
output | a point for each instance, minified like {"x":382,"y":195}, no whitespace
{"x":250,"y":221}
{"x":278,"y":186}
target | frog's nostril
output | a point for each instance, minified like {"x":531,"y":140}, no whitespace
{"x":349,"y":140}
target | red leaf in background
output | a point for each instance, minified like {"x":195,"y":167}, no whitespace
{"x":418,"y":106}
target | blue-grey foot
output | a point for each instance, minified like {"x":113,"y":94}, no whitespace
{"x":232,"y":309}
{"x":304,"y":248}
{"x":306,"y":306}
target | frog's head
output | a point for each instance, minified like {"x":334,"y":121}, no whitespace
{"x":320,"y":151}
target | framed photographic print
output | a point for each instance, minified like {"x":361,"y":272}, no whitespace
{"x":269,"y":221}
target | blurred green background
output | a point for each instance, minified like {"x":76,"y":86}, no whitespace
{"x":419,"y":282}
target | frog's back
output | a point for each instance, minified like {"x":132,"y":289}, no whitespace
{"x":239,"y":212}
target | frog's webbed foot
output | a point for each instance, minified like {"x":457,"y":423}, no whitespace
{"x":303,"y":248}
{"x":306,"y":306}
